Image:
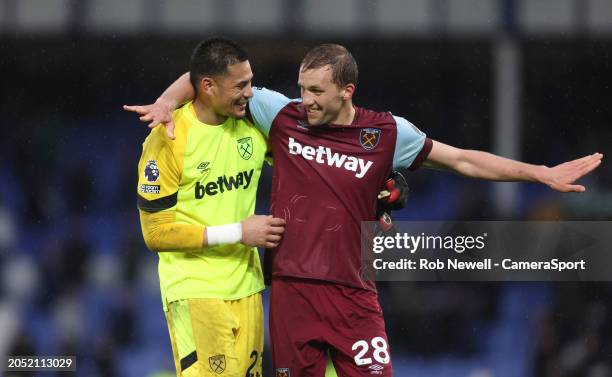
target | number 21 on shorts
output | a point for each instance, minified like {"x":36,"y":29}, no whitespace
{"x":380,"y":351}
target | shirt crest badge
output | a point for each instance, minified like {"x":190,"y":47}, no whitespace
{"x":369,"y":138}
{"x":245,"y":147}
{"x":217,"y":363}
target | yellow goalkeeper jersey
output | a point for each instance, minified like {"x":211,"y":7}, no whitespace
{"x":208,"y":176}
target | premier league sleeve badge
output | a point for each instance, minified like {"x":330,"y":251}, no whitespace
{"x":151,"y":171}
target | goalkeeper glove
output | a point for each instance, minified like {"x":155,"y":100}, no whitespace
{"x":392,"y":198}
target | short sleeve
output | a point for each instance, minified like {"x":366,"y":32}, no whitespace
{"x":158,"y":173}
{"x":264,"y":106}
{"x":411,"y":147}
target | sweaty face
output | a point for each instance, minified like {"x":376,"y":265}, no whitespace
{"x":321,"y":97}
{"x":233,"y":90}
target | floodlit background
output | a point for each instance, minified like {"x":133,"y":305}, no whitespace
{"x":528,"y":79}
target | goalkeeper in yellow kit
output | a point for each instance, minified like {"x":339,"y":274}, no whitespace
{"x":196,"y":196}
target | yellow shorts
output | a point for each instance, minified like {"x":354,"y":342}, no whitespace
{"x":213,"y":337}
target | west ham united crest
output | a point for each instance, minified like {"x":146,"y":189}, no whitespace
{"x":283,"y":372}
{"x":369,"y":138}
{"x":217,"y":363}
{"x":245,"y":147}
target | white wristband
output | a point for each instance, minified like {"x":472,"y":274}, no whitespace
{"x":223,"y":234}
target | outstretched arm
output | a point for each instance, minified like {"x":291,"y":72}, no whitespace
{"x":177,"y":93}
{"x":483,"y":165}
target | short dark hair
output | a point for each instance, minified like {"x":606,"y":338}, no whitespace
{"x":212,"y":57}
{"x":342,"y":63}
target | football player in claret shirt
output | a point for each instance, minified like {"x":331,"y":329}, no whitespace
{"x":196,"y":196}
{"x":330,"y":159}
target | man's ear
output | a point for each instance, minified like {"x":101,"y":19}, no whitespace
{"x":207,"y":84}
{"x":349,"y":90}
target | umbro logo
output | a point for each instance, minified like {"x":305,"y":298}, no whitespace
{"x":376,"y":369}
{"x":203,"y":167}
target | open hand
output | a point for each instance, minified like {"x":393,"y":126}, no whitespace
{"x":563,"y":176}
{"x":155,"y":113}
